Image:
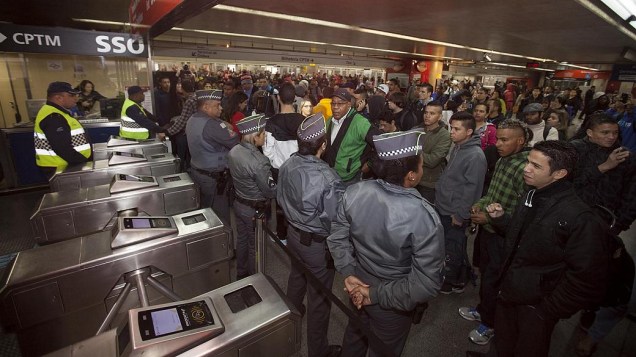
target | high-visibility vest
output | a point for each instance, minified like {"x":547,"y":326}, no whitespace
{"x":44,"y":154}
{"x":129,"y":128}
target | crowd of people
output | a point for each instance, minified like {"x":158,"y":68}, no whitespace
{"x":388,"y":183}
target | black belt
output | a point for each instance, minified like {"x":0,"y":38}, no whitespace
{"x":213,"y":174}
{"x":252,"y":203}
{"x":307,"y":237}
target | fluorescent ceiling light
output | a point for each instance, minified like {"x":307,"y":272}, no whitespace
{"x":116,"y":23}
{"x":623,"y":8}
{"x":581,"y":67}
{"x":600,"y":13}
{"x":309,"y":42}
{"x":307,"y":20}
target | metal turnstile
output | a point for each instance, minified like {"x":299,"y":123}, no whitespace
{"x":103,"y":151}
{"x":250,"y":317}
{"x":59,"y":294}
{"x":101,"y":172}
{"x":64,"y":215}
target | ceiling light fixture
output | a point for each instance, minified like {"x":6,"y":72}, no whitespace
{"x":307,"y":20}
{"x":602,"y":14}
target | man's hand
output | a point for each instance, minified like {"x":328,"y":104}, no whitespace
{"x":455,"y":221}
{"x":351,"y":282}
{"x":360,"y":296}
{"x":478,"y":216}
{"x":617,"y":156}
{"x":161,"y":136}
{"x":495,"y":210}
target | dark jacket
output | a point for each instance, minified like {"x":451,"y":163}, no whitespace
{"x":555,"y":253}
{"x":614,"y":189}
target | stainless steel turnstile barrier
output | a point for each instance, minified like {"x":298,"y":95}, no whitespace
{"x":103,"y":151}
{"x":101,"y":172}
{"x":250,"y":317}
{"x":58,"y":294}
{"x":65,"y":215}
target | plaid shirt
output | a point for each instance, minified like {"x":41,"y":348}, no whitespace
{"x":189,"y":108}
{"x":507,"y":184}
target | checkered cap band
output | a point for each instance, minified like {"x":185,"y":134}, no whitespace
{"x":213,"y":94}
{"x":312,"y":128}
{"x":397,"y":145}
{"x":251,"y":124}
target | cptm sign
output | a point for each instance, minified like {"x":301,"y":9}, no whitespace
{"x":29,"y":39}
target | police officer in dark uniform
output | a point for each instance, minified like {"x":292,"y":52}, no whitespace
{"x":308,"y":192}
{"x":388,"y":243}
{"x":209,"y":140}
{"x":58,"y":137}
{"x":253,"y":185}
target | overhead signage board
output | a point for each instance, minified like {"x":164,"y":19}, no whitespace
{"x":31,"y":39}
{"x":147,"y":12}
{"x":624,"y":72}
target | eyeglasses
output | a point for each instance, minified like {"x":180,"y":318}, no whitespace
{"x":339,"y":104}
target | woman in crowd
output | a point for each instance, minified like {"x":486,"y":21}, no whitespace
{"x":235,"y":107}
{"x":305,"y":108}
{"x":87,"y":97}
{"x":557,"y":119}
{"x":487,"y":132}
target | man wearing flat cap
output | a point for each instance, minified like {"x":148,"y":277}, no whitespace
{"x":247,"y":84}
{"x":388,"y":243}
{"x":59,"y":139}
{"x":308,"y":192}
{"x":209,"y":140}
{"x":532,"y":116}
{"x":349,"y":138}
{"x":253,"y":187}
{"x":136,"y":122}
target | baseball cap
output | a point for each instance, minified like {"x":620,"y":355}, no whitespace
{"x":384,"y":88}
{"x":532,"y":108}
{"x":61,"y":87}
{"x":134,"y":89}
{"x":343,"y":94}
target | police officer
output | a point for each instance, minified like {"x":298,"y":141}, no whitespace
{"x":253,"y":185}
{"x":137,"y":122}
{"x":209,"y":140}
{"x":59,"y":138}
{"x":388,"y":243}
{"x":308,"y":192}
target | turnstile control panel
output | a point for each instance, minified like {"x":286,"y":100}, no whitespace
{"x":166,"y":328}
{"x":120,"y":158}
{"x":124,"y":183}
{"x":133,"y":230}
{"x":119,"y":141}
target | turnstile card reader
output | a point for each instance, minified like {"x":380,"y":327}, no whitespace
{"x":69,"y":287}
{"x":124,"y":183}
{"x":101,"y":172}
{"x":155,"y":329}
{"x":121,"y":158}
{"x":67,"y":214}
{"x":103,"y":151}
{"x":254,"y":319}
{"x":133,"y":230}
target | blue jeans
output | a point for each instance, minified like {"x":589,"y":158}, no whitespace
{"x":457,"y":270}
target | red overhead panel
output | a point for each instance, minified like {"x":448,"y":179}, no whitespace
{"x":147,"y":12}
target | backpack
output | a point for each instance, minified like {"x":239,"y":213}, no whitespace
{"x":408,"y":119}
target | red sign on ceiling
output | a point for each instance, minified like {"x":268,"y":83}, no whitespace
{"x":147,"y":12}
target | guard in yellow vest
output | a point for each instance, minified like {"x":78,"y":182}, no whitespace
{"x":59,"y":138}
{"x":136,"y":122}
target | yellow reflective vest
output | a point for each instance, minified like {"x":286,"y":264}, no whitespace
{"x":129,"y":128}
{"x":44,"y":154}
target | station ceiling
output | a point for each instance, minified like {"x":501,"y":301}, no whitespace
{"x":510,"y":32}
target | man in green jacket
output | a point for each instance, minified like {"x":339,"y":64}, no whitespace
{"x":437,"y":143}
{"x":349,"y":138}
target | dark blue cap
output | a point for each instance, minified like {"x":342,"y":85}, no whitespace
{"x":61,"y":87}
